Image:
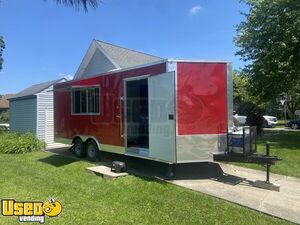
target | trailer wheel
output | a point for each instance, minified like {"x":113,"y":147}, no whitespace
{"x":92,"y":150}
{"x":79,"y":150}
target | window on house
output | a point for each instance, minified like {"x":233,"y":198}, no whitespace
{"x":85,"y":100}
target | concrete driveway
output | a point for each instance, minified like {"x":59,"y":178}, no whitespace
{"x":235,"y":185}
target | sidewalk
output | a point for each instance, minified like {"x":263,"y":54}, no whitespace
{"x":235,"y":185}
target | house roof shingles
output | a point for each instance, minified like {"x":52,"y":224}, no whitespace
{"x":4,"y":103}
{"x":35,"y":89}
{"x":125,"y":57}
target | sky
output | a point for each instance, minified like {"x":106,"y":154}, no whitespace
{"x":45,"y":41}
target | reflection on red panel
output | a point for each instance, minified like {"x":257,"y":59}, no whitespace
{"x":106,"y":127}
{"x":202,"y":98}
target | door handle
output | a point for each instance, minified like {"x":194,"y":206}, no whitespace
{"x":120,"y":116}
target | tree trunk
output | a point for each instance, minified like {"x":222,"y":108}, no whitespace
{"x":291,"y":106}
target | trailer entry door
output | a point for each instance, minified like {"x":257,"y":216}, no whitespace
{"x":137,"y":117}
{"x":161,"y":94}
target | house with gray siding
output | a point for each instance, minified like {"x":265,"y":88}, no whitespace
{"x":31,"y":110}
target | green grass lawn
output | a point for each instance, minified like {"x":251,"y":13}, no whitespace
{"x":286,"y":145}
{"x":90,"y":199}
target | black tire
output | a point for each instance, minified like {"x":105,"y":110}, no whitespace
{"x":266,"y":125}
{"x":294,"y":126}
{"x":92,"y":150}
{"x":78,"y":147}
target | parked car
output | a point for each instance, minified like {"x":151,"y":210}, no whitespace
{"x":294,"y":124}
{"x":241,"y":119}
{"x":270,"y":121}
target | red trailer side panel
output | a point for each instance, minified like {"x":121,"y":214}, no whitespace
{"x":106,"y":127}
{"x":202,"y":98}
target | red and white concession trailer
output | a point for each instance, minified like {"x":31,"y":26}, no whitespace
{"x":174,"y":111}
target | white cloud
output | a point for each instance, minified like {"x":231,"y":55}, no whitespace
{"x":195,"y":10}
{"x":67,"y":76}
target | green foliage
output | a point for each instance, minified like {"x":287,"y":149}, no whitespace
{"x":4,"y":117}
{"x":254,"y":115}
{"x":269,"y":40}
{"x":295,"y":103}
{"x":242,"y":90}
{"x":80,"y":3}
{"x":14,"y":143}
{"x":2,"y":46}
{"x":272,"y":108}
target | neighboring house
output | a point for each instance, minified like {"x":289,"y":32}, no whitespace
{"x":103,"y":57}
{"x":4,"y":103}
{"x":31,"y":110}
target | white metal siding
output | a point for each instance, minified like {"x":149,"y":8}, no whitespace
{"x":23,"y":115}
{"x":98,"y":64}
{"x":45,"y":118}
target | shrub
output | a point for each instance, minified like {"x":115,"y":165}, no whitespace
{"x":4,"y":117}
{"x":14,"y":143}
{"x":254,"y":115}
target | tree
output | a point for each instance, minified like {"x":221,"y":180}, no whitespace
{"x":269,"y":41}
{"x":80,"y":3}
{"x":254,"y":115}
{"x":242,"y":90}
{"x":2,"y":46}
{"x":4,"y":117}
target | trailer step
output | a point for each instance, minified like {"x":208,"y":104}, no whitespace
{"x":266,"y":160}
{"x":105,"y":172}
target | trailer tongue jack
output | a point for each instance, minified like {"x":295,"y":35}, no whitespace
{"x":270,"y":160}
{"x":241,"y":147}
